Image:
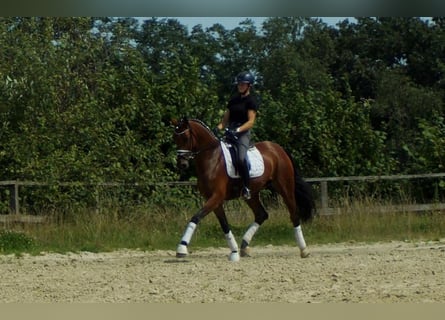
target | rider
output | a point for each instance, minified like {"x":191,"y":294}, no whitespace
{"x":239,"y":118}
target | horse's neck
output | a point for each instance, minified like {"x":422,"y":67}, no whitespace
{"x":206,"y":144}
{"x":203,"y":136}
{"x":208,"y":161}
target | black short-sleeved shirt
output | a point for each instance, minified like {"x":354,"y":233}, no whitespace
{"x":238,"y":107}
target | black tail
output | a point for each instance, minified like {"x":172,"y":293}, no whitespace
{"x":304,"y":196}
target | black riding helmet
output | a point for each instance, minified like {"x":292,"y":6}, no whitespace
{"x":245,"y":77}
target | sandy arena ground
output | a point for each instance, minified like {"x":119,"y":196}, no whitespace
{"x":382,"y":272}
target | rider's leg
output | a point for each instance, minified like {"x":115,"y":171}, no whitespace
{"x":243,"y":145}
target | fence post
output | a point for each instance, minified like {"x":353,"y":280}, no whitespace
{"x":14,"y":204}
{"x":324,"y":197}
{"x":96,"y":189}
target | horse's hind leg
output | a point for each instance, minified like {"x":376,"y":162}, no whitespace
{"x":304,"y":252}
{"x":221,"y":215}
{"x":289,"y":199}
{"x":298,"y":233}
{"x":260,"y":216}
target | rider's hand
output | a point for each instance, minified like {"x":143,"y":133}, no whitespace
{"x":231,"y":134}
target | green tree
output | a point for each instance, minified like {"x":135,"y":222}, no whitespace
{"x":91,"y":99}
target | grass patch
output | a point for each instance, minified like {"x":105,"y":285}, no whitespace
{"x":12,"y":241}
{"x":148,"y":228}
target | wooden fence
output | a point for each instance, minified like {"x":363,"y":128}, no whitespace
{"x":324,"y":205}
{"x":324,"y":195}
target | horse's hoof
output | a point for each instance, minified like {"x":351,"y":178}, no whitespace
{"x":234,"y":257}
{"x":245,"y":252}
{"x":304,"y":253}
{"x":181,"y":251}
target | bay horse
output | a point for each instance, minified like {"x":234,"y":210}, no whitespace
{"x":194,"y":140}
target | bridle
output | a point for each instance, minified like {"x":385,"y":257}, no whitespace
{"x":188,"y":154}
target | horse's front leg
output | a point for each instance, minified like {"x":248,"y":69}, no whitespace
{"x":221,"y":215}
{"x":210,"y":205}
{"x":181,"y":249}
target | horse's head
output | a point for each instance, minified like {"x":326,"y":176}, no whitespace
{"x":191,"y":138}
{"x":184,"y":143}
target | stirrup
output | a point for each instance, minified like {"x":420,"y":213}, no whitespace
{"x":246,"y":193}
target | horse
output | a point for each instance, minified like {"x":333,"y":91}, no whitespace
{"x":196,"y":141}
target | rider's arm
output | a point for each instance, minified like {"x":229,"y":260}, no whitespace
{"x":251,"y":116}
{"x":224,"y":120}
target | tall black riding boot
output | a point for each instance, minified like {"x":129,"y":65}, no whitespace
{"x":244,"y":173}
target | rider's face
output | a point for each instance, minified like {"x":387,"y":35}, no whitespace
{"x":242,"y":87}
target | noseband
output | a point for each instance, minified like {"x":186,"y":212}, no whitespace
{"x":186,"y":154}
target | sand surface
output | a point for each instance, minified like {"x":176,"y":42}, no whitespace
{"x":351,"y":272}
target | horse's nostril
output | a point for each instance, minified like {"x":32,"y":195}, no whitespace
{"x":183,"y":165}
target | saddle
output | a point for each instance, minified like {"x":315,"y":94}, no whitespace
{"x":254,"y":160}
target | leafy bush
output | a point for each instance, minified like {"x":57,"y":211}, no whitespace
{"x":14,"y":241}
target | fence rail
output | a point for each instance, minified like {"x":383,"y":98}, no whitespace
{"x":324,"y":196}
{"x":14,"y":186}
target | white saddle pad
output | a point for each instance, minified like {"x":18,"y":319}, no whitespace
{"x":253,"y":156}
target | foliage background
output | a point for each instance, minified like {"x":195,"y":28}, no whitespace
{"x":90,"y":99}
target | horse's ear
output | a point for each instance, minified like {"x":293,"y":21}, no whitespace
{"x":174,"y":122}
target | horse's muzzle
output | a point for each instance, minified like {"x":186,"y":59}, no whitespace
{"x":182,"y":163}
{"x":183,"y":158}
